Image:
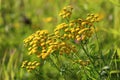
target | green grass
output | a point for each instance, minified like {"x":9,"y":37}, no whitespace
{"x":10,"y":67}
{"x":13,"y":29}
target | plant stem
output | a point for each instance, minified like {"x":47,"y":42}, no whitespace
{"x":99,"y":45}
{"x":89,"y":58}
{"x":57,"y":67}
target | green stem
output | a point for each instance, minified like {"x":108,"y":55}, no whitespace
{"x":54,"y":63}
{"x":89,"y":58}
{"x":99,"y":45}
{"x":88,"y":76}
{"x":57,"y":68}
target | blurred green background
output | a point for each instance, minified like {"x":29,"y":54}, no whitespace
{"x":20,"y":18}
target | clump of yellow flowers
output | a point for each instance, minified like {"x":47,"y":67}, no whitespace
{"x":30,"y":65}
{"x":66,"y":12}
{"x":42,"y":43}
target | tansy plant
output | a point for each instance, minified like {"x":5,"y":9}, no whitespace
{"x":65,"y":47}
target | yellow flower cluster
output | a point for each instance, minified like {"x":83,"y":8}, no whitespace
{"x":78,"y":29}
{"x":92,"y":17}
{"x":66,"y":12}
{"x":36,"y":42}
{"x":30,"y":65}
{"x":42,"y":43}
{"x":63,"y":47}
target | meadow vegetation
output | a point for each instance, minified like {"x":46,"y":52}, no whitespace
{"x":59,"y":40}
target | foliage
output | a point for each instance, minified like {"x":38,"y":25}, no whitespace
{"x":19,"y":19}
{"x":11,"y":67}
{"x":64,"y":49}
